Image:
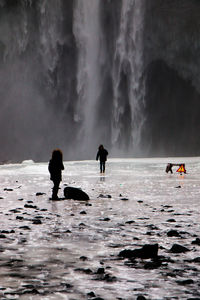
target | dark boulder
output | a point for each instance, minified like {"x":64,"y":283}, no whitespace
{"x":75,"y":193}
{"x":147,"y":251}
{"x":178,"y":249}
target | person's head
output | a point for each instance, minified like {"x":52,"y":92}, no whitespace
{"x":57,"y":155}
{"x":101,"y":147}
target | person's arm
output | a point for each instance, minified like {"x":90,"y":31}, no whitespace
{"x":97,"y":157}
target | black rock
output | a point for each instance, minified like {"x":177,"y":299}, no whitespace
{"x":40,"y":194}
{"x":185,"y":282}
{"x":105,"y":219}
{"x":196,"y":242}
{"x":37,"y":221}
{"x":171,"y":220}
{"x":178,"y":249}
{"x":30,"y":206}
{"x":141,"y":298}
{"x":147,"y":251}
{"x":173,"y":233}
{"x":75,"y":194}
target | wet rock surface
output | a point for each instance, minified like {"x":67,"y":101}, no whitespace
{"x":102,"y":249}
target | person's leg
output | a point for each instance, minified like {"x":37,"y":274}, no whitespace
{"x":101,"y":167}
{"x":55,"y":189}
{"x":103,"y":163}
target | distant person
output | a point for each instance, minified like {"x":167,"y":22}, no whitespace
{"x":169,"y":168}
{"x":102,"y":156}
{"x":55,"y":169}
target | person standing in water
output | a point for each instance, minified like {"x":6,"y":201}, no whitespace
{"x":102,"y":156}
{"x":55,"y":169}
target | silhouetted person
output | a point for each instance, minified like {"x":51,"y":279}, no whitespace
{"x":169,"y":168}
{"x":55,"y":170}
{"x":102,"y":156}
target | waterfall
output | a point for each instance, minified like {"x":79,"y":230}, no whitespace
{"x":74,"y":74}
{"x":87,"y":33}
{"x":127,"y":78}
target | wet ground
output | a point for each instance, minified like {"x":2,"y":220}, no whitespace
{"x":70,"y":249}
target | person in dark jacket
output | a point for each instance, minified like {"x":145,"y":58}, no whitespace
{"x":102,"y":156}
{"x":55,"y":169}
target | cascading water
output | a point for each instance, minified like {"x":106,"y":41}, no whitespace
{"x":127,"y":78}
{"x":87,"y":33}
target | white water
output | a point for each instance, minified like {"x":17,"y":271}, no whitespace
{"x":46,"y":256}
{"x":88,"y":38}
{"x":128,"y":59}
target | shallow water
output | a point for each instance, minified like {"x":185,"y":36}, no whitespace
{"x":69,"y":249}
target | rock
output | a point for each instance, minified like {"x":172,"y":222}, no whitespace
{"x":104,"y":196}
{"x":196,"y":242}
{"x":147,"y":251}
{"x":37,"y":221}
{"x":196,"y":260}
{"x":40,"y":194}
{"x":141,"y":298}
{"x":105,"y":219}
{"x":91,"y":294}
{"x":75,"y":193}
{"x":83,"y":258}
{"x":173,"y":233}
{"x":178,"y":249}
{"x":2,"y":236}
{"x":30,"y":206}
{"x":153,"y":264}
{"x":171,"y":220}
{"x":185,"y":282}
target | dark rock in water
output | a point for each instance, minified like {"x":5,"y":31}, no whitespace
{"x":104,"y":196}
{"x":147,"y":251}
{"x":196,"y":260}
{"x":196,"y":242}
{"x":171,"y":220}
{"x":173,"y":233}
{"x":25,"y":227}
{"x":37,"y":221}
{"x":91,"y":294}
{"x":19,"y":218}
{"x":105,"y":219}
{"x":141,"y":298}
{"x":83,"y":258}
{"x":30,"y":206}
{"x":130,"y":222}
{"x":153,"y":264}
{"x":40,"y":194}
{"x":2,"y":236}
{"x":75,"y":194}
{"x":178,"y":249}
{"x":185,"y":282}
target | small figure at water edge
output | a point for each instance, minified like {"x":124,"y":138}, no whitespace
{"x":55,"y":169}
{"x":181,"y":168}
{"x":102,"y":156}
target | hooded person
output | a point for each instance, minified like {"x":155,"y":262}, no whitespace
{"x":55,"y":169}
{"x":102,"y":157}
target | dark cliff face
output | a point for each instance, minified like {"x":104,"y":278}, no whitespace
{"x":172,"y":74}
